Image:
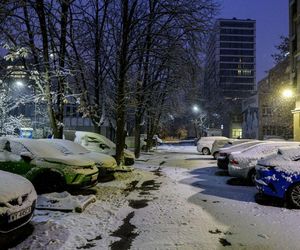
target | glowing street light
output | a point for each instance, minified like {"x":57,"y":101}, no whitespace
{"x":196,"y":109}
{"x":19,"y":84}
{"x":287,"y":93}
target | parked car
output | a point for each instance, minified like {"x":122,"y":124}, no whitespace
{"x":223,"y":158}
{"x":242,"y":164}
{"x":279,"y":175}
{"x":46,"y":167}
{"x":17,"y":201}
{"x":204,"y":145}
{"x":99,"y":143}
{"x":218,"y":144}
{"x":105,"y":163}
{"x":130,"y":142}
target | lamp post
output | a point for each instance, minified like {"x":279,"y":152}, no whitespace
{"x":195,"y":110}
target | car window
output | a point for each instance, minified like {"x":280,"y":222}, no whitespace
{"x":16,"y":148}
{"x":93,"y":139}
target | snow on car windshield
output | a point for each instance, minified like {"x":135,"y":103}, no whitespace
{"x":240,"y":147}
{"x":39,"y":148}
{"x":69,"y":147}
{"x":96,"y":136}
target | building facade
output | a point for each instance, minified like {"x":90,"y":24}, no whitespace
{"x":275,"y":116}
{"x":294,"y":35}
{"x":230,"y":70}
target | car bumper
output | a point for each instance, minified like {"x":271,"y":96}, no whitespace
{"x":81,"y":182}
{"x":237,"y":171}
{"x":6,"y":226}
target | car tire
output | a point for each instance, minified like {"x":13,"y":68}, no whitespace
{"x":205,"y":151}
{"x":125,"y":146}
{"x":128,"y":161}
{"x":215,"y":155}
{"x":251,"y":176}
{"x":48,"y":182}
{"x":144,"y":147}
{"x":293,"y":196}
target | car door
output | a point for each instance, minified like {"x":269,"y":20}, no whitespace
{"x":11,"y":160}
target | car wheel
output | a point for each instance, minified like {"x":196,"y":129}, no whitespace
{"x":293,"y":196}
{"x":251,"y":176}
{"x":216,"y":154}
{"x":48,"y":182}
{"x":144,"y":147}
{"x":125,"y":146}
{"x":205,"y":151}
{"x":128,"y":161}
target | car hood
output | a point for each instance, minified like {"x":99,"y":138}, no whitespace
{"x":71,"y":160}
{"x":13,"y":186}
{"x":103,"y":160}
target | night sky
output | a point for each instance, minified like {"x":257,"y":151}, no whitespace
{"x":271,"y":22}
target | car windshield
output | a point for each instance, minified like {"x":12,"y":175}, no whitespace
{"x":39,"y":148}
{"x":68,"y":147}
{"x":96,"y":138}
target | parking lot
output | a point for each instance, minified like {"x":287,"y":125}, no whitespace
{"x":174,"y":199}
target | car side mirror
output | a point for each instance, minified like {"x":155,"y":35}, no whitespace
{"x":27,"y":157}
{"x":103,"y":146}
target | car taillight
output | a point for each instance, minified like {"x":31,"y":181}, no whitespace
{"x":234,"y":162}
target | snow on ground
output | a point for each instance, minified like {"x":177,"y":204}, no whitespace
{"x":173,"y":200}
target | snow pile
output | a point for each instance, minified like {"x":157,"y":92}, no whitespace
{"x":64,"y":202}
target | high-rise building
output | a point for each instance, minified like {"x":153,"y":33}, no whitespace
{"x":230,"y":69}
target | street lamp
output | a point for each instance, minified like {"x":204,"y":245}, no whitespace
{"x":19,"y":84}
{"x":287,"y":93}
{"x":195,"y":109}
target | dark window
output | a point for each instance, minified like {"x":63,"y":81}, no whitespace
{"x":237,"y":31}
{"x":236,"y":24}
{"x":236,"y":87}
{"x":68,"y":111}
{"x":237,"y":38}
{"x":236,"y":52}
{"x":237,"y":80}
{"x":236,"y":59}
{"x":236,"y":66}
{"x":237,"y":45}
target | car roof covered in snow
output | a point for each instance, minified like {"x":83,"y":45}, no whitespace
{"x":265,"y":148}
{"x":239,"y":147}
{"x":67,"y":147}
{"x":36,"y":147}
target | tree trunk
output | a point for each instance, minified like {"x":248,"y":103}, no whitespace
{"x":40,"y":9}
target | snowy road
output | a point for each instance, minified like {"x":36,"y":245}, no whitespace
{"x":176,"y":199}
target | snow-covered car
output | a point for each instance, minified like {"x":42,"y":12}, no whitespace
{"x":45,"y":166}
{"x":278,"y":175}
{"x":104,"y":162}
{"x":218,"y":144}
{"x":204,"y":145}
{"x":99,"y":143}
{"x":242,"y":164}
{"x":223,"y":157}
{"x":130,"y":141}
{"x":17,"y":201}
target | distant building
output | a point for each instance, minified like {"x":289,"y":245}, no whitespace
{"x":250,"y":117}
{"x":294,"y":15}
{"x":230,"y":73}
{"x":275,"y":116}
